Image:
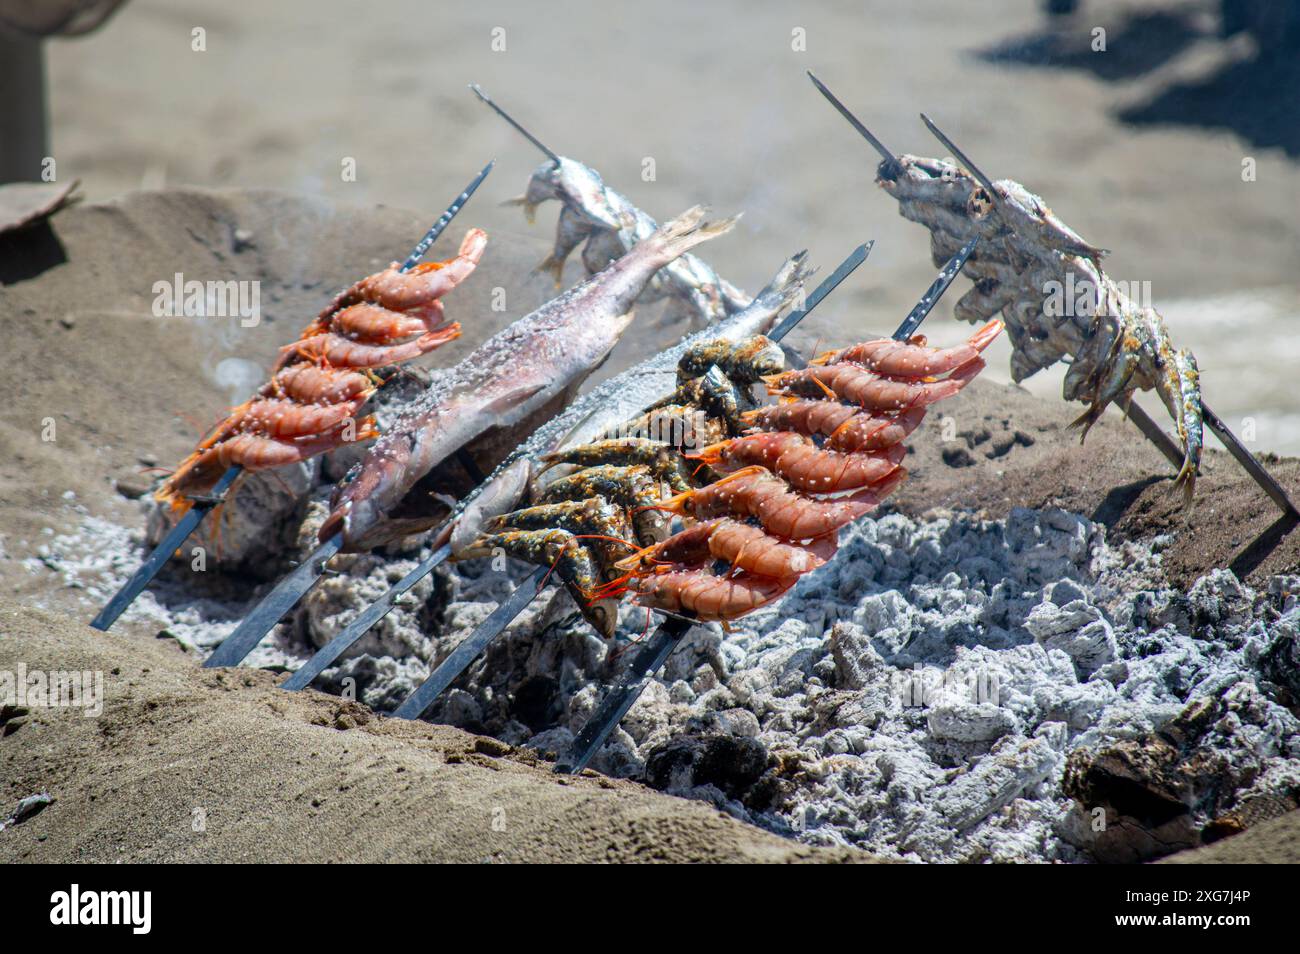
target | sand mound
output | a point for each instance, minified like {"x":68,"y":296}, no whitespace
{"x":271,"y":776}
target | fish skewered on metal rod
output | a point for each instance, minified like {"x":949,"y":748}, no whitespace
{"x":503,"y":387}
{"x":585,"y":196}
{"x":610,"y":225}
{"x":419,"y":701}
{"x":607,"y":403}
{"x":202,"y":504}
{"x":1117,"y":348}
{"x":652,"y":656}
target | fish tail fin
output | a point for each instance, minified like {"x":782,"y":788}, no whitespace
{"x":785,"y":286}
{"x":688,"y":230}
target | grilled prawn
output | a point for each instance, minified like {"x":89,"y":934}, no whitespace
{"x":758,"y":493}
{"x":706,"y":596}
{"x":910,"y":359}
{"x":321,"y":380}
{"x":742,"y":545}
{"x":846,"y":428}
{"x":803,"y":464}
{"x":871,"y":391}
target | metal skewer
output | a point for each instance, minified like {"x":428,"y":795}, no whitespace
{"x":291,"y":588}
{"x":200,"y":508}
{"x":866,"y":133}
{"x":1249,"y":463}
{"x":657,"y":649}
{"x":478,"y":91}
{"x":154,"y":563}
{"x":376,"y":611}
{"x":416,"y":704}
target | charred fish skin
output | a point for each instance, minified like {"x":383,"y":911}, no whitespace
{"x":745,"y":362}
{"x":601,"y":524}
{"x":1048,"y":285}
{"x":573,"y":562}
{"x":611,"y":225}
{"x":712,"y":394}
{"x":609,"y":405}
{"x":509,"y":378}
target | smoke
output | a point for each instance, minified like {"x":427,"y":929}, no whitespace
{"x":238,"y":377}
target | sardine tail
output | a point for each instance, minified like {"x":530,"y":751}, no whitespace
{"x":785,"y":286}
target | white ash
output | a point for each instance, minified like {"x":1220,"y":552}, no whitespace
{"x":196,"y":607}
{"x":1019,"y":641}
{"x":918,"y":696}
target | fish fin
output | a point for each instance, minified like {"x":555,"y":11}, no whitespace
{"x":689,"y":230}
{"x":552,"y":265}
{"x":785,"y":286}
{"x":509,"y":400}
{"x":530,"y":208}
{"x":563,"y":440}
{"x":1085,"y":420}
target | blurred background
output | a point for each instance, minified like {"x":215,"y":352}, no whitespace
{"x":1167,"y":131}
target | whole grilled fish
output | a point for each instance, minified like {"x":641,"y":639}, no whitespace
{"x":515,"y":374}
{"x":612,"y":403}
{"x":611,"y":225}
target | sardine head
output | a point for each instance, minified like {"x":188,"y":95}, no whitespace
{"x":502,"y":494}
{"x":764,"y":356}
{"x":546,"y":183}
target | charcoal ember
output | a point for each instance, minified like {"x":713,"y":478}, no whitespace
{"x":730,"y":763}
{"x":1192,"y":782}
